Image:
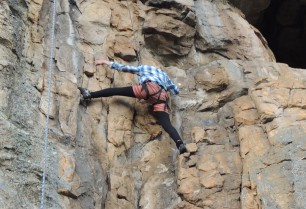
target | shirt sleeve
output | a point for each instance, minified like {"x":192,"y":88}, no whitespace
{"x":173,"y":88}
{"x":124,"y":68}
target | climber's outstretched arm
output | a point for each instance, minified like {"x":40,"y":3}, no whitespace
{"x":119,"y":67}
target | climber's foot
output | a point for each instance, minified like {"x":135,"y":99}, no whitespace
{"x":182,"y":149}
{"x":85,"y":93}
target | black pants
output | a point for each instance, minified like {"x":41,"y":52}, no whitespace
{"x":162,"y":117}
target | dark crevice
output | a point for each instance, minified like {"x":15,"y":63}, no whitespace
{"x":267,"y":120}
{"x":284,"y":160}
{"x":164,"y":4}
{"x":5,"y":42}
{"x":216,"y":51}
{"x":121,"y":197}
{"x":283,"y":24}
{"x":68,"y":194}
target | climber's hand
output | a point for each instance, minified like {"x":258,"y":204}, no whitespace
{"x":101,"y":62}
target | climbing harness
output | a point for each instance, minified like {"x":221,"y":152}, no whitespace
{"x":45,"y":153}
{"x":135,"y":43}
{"x":148,"y":95}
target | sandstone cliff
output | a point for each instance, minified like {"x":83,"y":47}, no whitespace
{"x":241,"y":113}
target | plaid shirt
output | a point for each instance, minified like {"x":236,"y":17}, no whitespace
{"x":148,"y":73}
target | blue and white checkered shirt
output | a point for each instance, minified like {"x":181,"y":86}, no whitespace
{"x":148,"y":73}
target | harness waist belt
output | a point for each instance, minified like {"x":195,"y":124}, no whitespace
{"x":147,"y":81}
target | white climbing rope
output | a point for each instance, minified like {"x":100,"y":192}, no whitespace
{"x":132,"y":24}
{"x":46,"y":130}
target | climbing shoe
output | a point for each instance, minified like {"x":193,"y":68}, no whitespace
{"x":85,"y":93}
{"x":182,"y":148}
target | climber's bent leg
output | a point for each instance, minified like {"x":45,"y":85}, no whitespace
{"x":165,"y":122}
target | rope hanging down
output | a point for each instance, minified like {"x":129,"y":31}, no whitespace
{"x":46,"y":130}
{"x":135,"y":43}
{"x":45,"y":154}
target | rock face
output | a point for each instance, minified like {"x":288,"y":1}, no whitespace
{"x":169,"y":27}
{"x":241,"y":114}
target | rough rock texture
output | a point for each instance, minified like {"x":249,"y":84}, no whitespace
{"x":241,"y":114}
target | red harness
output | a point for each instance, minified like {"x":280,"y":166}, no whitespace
{"x":158,"y":101}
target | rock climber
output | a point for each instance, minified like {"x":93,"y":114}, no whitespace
{"x":153,"y":87}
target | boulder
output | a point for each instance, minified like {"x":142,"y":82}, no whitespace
{"x":168,"y":35}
